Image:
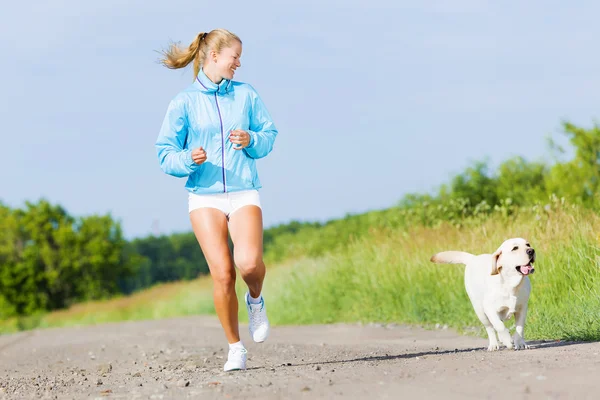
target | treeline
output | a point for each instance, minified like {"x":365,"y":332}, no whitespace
{"x":527,"y":183}
{"x":164,"y":259}
{"x":469,"y":197}
{"x":50,"y":259}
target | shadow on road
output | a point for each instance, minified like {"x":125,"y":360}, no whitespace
{"x":535,"y":344}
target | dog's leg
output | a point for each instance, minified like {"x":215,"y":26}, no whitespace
{"x":503,"y":333}
{"x":493,"y":344}
{"x":493,"y":341}
{"x":519,"y":339}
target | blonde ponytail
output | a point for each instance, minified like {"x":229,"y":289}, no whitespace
{"x":176,"y":57}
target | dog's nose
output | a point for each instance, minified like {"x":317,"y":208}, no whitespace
{"x":530,"y":252}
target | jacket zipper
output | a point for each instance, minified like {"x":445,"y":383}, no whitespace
{"x":222,"y":145}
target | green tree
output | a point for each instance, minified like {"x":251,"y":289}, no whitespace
{"x":49,"y":260}
{"x":521,"y":181}
{"x":476,"y":184}
{"x":578,"y":179}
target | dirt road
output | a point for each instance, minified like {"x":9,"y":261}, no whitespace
{"x":183,"y":358}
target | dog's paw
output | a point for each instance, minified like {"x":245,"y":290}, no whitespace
{"x":493,"y":347}
{"x":521,"y":345}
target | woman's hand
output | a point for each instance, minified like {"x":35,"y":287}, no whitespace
{"x":240,"y":138}
{"x":199,"y":155}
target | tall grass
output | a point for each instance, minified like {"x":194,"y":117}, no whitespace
{"x":389,"y":278}
{"x":385,"y":275}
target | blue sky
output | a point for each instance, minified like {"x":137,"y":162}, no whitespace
{"x":372,"y":99}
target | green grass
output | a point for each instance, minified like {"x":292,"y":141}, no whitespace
{"x":386,"y":277}
{"x":161,"y":301}
{"x":393,"y":281}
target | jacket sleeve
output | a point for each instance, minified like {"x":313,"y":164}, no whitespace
{"x":173,"y":158}
{"x":262,"y":129}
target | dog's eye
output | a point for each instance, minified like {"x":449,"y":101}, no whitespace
{"x":527,"y":244}
{"x":515,"y":248}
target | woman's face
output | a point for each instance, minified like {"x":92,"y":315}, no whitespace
{"x":228,"y":60}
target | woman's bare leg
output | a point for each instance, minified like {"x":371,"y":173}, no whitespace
{"x":210,"y":228}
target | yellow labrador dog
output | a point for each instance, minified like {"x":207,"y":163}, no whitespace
{"x":498,"y":287}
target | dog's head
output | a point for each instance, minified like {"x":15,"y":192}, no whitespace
{"x":513,"y":257}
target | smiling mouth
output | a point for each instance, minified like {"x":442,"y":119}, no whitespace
{"x":526,"y":269}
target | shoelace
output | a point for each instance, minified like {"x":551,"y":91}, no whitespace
{"x":256,"y":314}
{"x":236,"y":352}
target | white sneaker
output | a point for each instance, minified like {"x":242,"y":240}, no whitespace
{"x":258,"y":321}
{"x":236,"y":359}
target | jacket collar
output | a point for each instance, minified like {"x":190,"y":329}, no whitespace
{"x":205,"y":85}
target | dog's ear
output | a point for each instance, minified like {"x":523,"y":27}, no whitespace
{"x":495,"y":266}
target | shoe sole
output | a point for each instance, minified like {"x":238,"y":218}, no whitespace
{"x":258,"y":341}
{"x":235,"y":369}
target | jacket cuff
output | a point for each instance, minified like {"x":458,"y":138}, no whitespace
{"x":252,"y":139}
{"x":188,"y":159}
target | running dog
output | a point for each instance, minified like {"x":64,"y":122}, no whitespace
{"x":498,"y":286}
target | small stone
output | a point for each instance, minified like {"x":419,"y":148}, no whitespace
{"x":190,"y":366}
{"x":104,"y":368}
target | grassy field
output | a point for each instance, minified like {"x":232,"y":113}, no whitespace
{"x":386,"y":277}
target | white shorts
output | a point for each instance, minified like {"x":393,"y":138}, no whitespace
{"x":228,"y":203}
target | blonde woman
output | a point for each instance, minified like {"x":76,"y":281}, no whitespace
{"x":213,"y":133}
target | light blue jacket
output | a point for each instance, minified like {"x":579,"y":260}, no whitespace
{"x":203,"y":116}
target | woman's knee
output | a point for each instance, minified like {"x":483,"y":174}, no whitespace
{"x":250,"y":264}
{"x":224,"y":279}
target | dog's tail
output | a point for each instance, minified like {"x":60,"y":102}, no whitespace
{"x":452,"y":257}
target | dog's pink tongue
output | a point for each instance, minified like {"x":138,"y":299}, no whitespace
{"x":525,"y":269}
